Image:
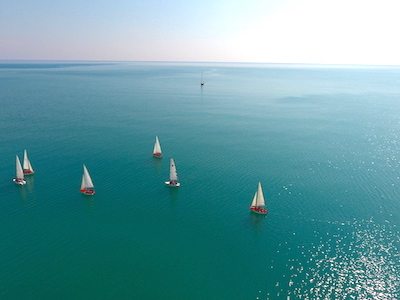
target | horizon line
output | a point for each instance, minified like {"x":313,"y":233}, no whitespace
{"x":199,"y":62}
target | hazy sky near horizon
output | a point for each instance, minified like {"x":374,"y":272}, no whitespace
{"x":277,"y":31}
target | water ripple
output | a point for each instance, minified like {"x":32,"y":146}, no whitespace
{"x":355,"y":260}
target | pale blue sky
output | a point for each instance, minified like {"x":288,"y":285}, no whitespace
{"x":280,"y":31}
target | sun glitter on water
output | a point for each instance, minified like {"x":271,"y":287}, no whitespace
{"x":356,"y":260}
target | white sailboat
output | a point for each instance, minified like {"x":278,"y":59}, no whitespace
{"x":173,"y":175}
{"x":87,"y":186}
{"x":27,"y":167}
{"x":258,"y":203}
{"x":157,"y":149}
{"x":19,"y":179}
{"x":201,"y":79}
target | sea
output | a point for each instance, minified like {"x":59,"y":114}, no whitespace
{"x":323,"y":140}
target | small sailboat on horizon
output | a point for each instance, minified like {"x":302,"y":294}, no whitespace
{"x":19,"y":179}
{"x":173,"y":175}
{"x":87,"y":186}
{"x":201,"y":79}
{"x":157,"y":149}
{"x":27,"y":167}
{"x":258,"y":203}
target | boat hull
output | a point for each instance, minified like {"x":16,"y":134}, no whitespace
{"x":19,"y":181}
{"x":259,"y":210}
{"x":157,"y":155}
{"x":28,"y":172}
{"x":87,"y":192}
{"x":172,"y":184}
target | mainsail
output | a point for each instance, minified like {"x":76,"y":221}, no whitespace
{"x":258,"y":200}
{"x":27,"y":163}
{"x":20,"y":172}
{"x":173,"y":175}
{"x":86,"y":180}
{"x":157,"y":146}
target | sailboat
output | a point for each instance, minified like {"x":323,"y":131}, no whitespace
{"x":19,"y":179}
{"x":157,"y":149}
{"x":28,"y":170}
{"x":87,"y":187}
{"x":173,"y":175}
{"x":201,"y":80}
{"x":258,"y":204}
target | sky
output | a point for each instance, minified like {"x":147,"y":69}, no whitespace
{"x":268,"y":31}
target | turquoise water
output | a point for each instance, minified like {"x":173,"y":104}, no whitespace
{"x":324,"y":142}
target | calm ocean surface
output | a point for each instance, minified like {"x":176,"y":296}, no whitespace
{"x":323,"y":141}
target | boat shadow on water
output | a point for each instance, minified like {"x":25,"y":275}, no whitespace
{"x":256,"y":220}
{"x":30,"y":181}
{"x":157,"y":164}
{"x":173,"y":194}
{"x":88,"y":202}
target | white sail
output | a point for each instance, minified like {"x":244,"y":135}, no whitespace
{"x":20,"y":173}
{"x":86,"y":180}
{"x":258,"y":199}
{"x":157,"y":146}
{"x":254,"y":202}
{"x":27,"y":163}
{"x":173,"y":175}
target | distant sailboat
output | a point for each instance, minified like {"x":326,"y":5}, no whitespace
{"x":157,"y":149}
{"x":19,"y":179}
{"x":173,"y":175}
{"x":201,"y":79}
{"x":87,"y":186}
{"x":28,"y":170}
{"x":258,"y":203}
